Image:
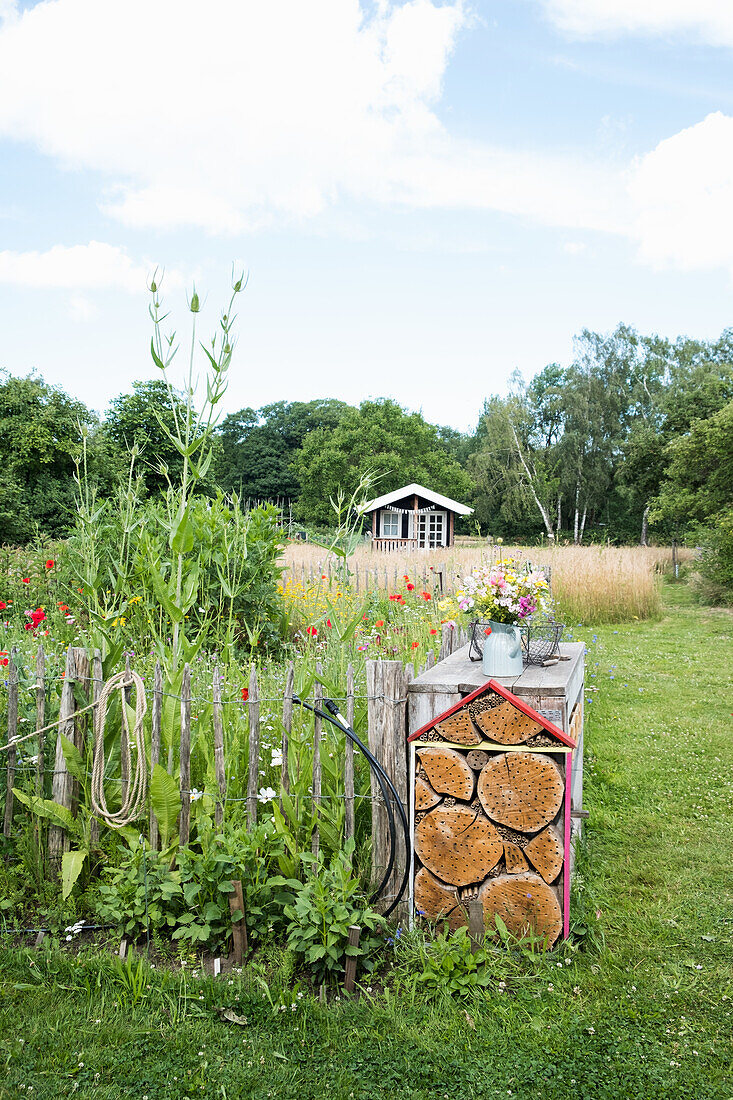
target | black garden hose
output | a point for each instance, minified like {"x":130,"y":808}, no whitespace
{"x":333,"y":709}
{"x":385,"y":785}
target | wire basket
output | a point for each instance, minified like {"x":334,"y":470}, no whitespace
{"x":540,"y":640}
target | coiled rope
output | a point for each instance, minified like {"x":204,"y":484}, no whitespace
{"x":133,"y":800}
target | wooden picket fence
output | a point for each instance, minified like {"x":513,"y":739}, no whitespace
{"x":386,"y":697}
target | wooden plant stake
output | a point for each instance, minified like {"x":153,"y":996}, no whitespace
{"x":40,"y":718}
{"x":124,"y":762}
{"x":96,"y":691}
{"x":350,"y":967}
{"x":318,"y":701}
{"x":184,"y":821}
{"x":475,"y":924}
{"x":240,"y":946}
{"x":61,"y":791}
{"x":12,"y":734}
{"x":155,"y":735}
{"x":220,"y":770}
{"x":253,"y":706}
{"x":349,"y":759}
{"x":287,"y":728}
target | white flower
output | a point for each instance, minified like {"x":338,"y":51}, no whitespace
{"x":195,"y":795}
{"x":277,"y":758}
{"x":266,"y":794}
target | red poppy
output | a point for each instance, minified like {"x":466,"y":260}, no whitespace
{"x":328,"y":623}
{"x":324,"y":577}
{"x":411,"y":588}
{"x":26,"y":580}
{"x":426,"y":595}
{"x":405,"y":577}
{"x":312,"y":631}
{"x":3,"y":661}
{"x":245,"y":694}
{"x":433,"y":630}
{"x":487,"y":631}
{"x":50,"y":563}
{"x":3,"y":605}
{"x":415,"y":645}
{"x":379,"y":622}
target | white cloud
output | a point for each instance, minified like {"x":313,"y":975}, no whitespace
{"x":81,"y":309}
{"x":682,"y":192}
{"x":8,"y":10}
{"x":708,"y":20}
{"x":574,"y":248}
{"x":239,"y":114}
{"x":93,"y":266}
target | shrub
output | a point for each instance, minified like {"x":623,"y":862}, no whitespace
{"x":326,"y":903}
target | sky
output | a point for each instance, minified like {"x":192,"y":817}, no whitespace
{"x":426,"y":195}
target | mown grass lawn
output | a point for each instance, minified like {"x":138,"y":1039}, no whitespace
{"x":647,"y":1015}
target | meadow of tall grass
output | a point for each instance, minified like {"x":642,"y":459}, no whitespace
{"x":591,"y":584}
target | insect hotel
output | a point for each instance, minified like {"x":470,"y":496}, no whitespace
{"x":494,"y":803}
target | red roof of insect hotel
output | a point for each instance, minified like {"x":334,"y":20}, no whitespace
{"x":515,"y":701}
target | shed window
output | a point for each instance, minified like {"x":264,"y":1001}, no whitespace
{"x":390,"y":525}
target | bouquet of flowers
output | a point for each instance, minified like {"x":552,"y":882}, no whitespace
{"x":506,"y":592}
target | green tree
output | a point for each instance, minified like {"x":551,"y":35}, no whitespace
{"x":40,"y":441}
{"x":258,"y":446}
{"x":398,"y":446}
{"x":140,"y":418}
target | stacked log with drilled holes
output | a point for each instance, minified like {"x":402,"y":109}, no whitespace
{"x":489,"y":823}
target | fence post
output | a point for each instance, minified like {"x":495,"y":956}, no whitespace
{"x":386,"y":691}
{"x":349,"y":759}
{"x":124,"y":762}
{"x":447,"y":633}
{"x":83,"y":678}
{"x":253,"y":707}
{"x":62,"y":786}
{"x":287,"y":729}
{"x":219,"y":768}
{"x":12,"y":734}
{"x":184,"y":821}
{"x":155,"y":734}
{"x":40,"y":719}
{"x":318,"y":702}
{"x":96,"y":691}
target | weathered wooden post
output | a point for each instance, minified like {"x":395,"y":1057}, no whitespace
{"x":253,"y":763}
{"x":386,"y":692}
{"x":12,"y":734}
{"x":349,"y":818}
{"x":97,"y":685}
{"x":40,"y":718}
{"x":62,"y":785}
{"x":318,"y":702}
{"x":287,"y":729}
{"x":219,"y":769}
{"x":155,"y":735}
{"x":184,"y":821}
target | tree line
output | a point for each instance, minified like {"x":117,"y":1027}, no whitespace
{"x":631,"y":440}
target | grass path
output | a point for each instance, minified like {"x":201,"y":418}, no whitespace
{"x":648,"y":1015}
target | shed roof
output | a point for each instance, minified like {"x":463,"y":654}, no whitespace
{"x":520,"y":705}
{"x":417,"y":490}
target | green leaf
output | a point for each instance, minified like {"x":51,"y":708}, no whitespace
{"x":166,"y":801}
{"x":46,"y":807}
{"x":182,"y":532}
{"x":74,"y":762}
{"x":71,"y":865}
